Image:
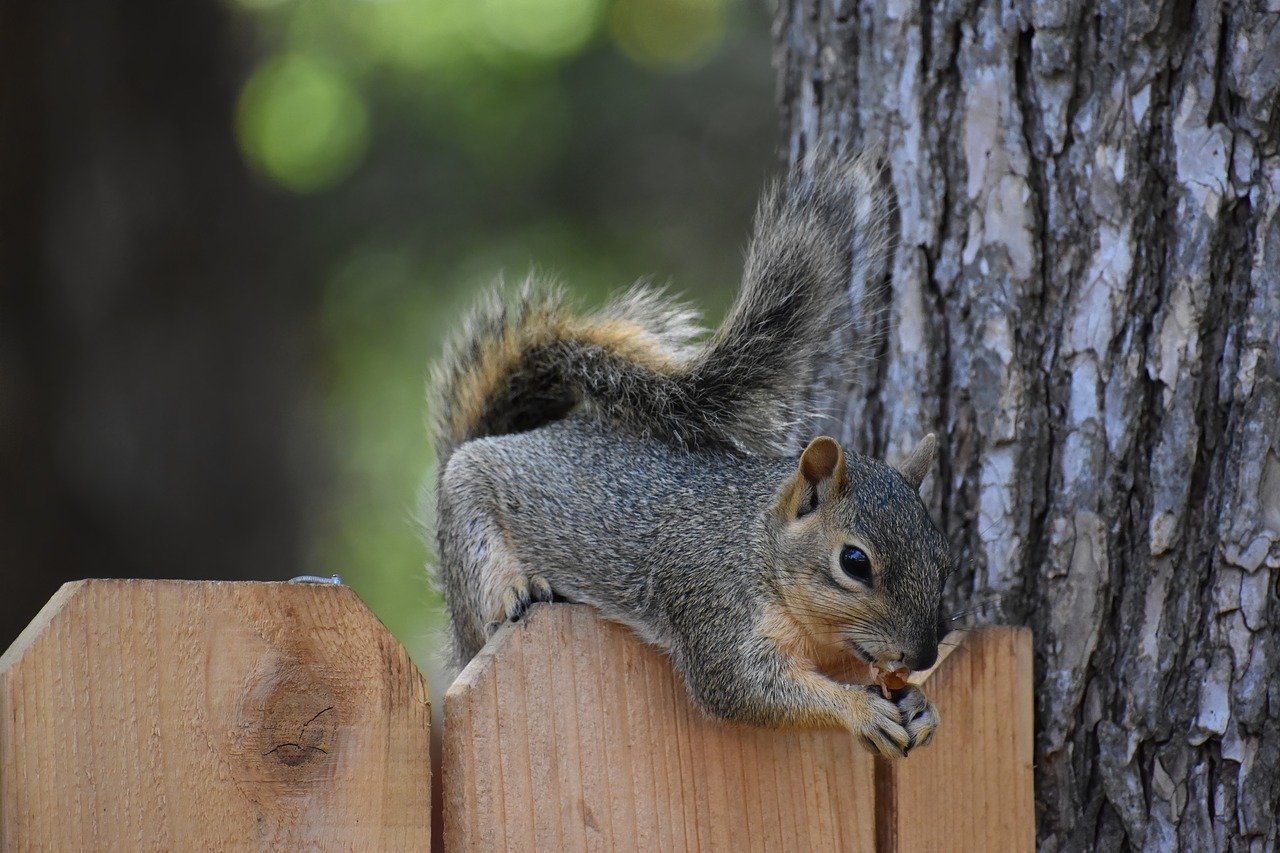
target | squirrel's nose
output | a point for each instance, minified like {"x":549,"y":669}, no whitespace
{"x":923,"y":658}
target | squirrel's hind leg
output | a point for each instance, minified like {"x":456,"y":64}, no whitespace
{"x":486,"y":584}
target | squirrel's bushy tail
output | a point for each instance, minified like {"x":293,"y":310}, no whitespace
{"x":819,"y":247}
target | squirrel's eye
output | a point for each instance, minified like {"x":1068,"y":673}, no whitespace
{"x":856,"y":564}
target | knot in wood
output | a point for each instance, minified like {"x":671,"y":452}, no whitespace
{"x":295,"y":715}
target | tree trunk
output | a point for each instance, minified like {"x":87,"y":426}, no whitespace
{"x":1086,"y":304}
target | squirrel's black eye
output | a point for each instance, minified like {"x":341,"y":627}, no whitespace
{"x":856,"y":564}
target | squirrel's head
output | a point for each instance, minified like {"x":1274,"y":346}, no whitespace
{"x":860,"y":564}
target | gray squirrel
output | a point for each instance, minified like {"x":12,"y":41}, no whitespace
{"x":616,"y":461}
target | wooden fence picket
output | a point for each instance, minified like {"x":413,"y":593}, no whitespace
{"x":175,"y":715}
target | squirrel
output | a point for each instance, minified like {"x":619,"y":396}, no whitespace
{"x":615,"y":460}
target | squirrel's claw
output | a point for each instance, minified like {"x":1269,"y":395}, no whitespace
{"x":880,"y":748}
{"x":516,"y":598}
{"x":919,"y":715}
{"x":880,"y":725}
{"x":923,"y":726}
{"x":540,"y":589}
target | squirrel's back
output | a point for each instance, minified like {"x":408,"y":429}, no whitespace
{"x":634,"y":506}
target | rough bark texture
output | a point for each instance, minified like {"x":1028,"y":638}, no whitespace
{"x":1086,"y":303}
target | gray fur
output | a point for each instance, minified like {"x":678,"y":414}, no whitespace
{"x":663,"y":495}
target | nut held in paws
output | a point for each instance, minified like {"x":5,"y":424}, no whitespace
{"x":889,"y":679}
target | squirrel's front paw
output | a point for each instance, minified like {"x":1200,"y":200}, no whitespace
{"x":879,"y":723}
{"x":516,"y":598}
{"x":918,"y":715}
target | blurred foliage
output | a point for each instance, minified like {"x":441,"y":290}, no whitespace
{"x":443,"y":142}
{"x":302,"y":123}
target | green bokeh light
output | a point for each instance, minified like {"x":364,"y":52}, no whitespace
{"x":301,"y":123}
{"x":546,"y":28}
{"x":668,"y":34}
{"x":418,"y":35}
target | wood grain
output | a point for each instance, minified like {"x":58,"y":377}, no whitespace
{"x":169,"y":715}
{"x":972,"y":788}
{"x":568,"y":733}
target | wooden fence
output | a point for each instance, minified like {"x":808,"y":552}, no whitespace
{"x":184,"y":715}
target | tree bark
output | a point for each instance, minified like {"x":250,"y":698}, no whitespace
{"x":1086,"y":303}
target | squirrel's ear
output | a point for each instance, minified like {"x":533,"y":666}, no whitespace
{"x":821,"y":470}
{"x":822,"y":459}
{"x":917,"y":465}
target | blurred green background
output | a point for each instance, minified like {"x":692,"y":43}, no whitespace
{"x":243,"y":227}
